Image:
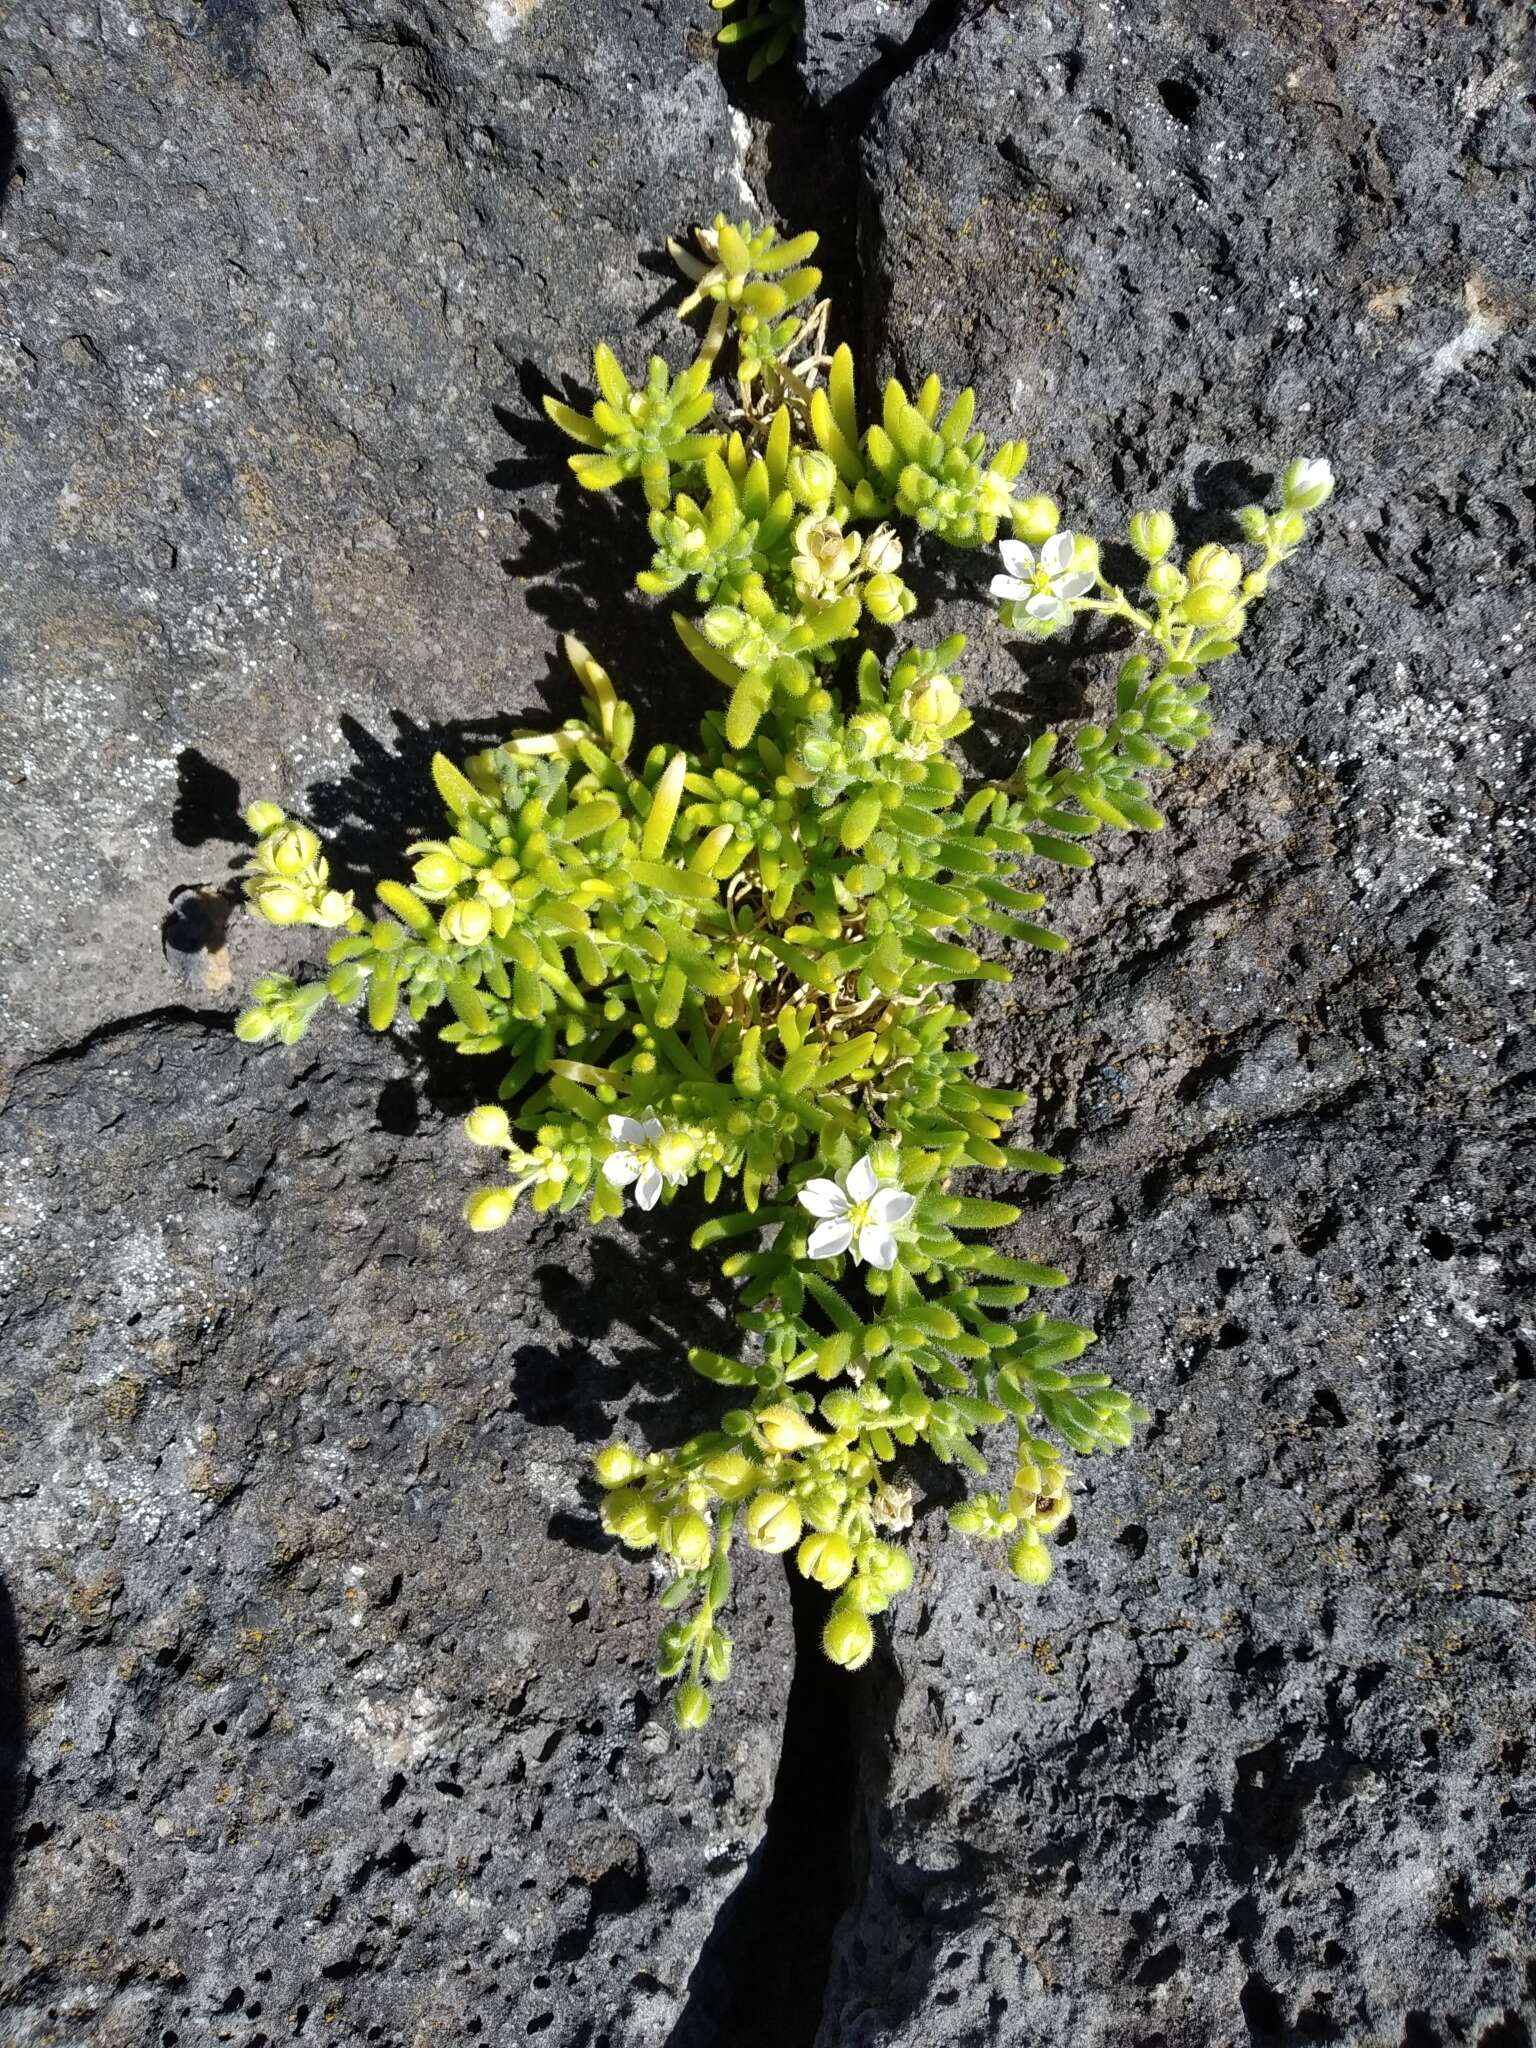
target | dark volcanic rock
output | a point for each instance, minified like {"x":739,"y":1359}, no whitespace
{"x":339,"y":1720}
{"x":266,"y":271}
{"x":342,"y":1714}
{"x":1256,"y":1765}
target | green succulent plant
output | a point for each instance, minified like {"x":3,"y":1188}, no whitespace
{"x":730,"y":965}
{"x":770,"y":27}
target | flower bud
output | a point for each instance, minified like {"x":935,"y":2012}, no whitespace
{"x":848,"y":1638}
{"x":784,"y":1428}
{"x":934,"y":702}
{"x":1308,"y":483}
{"x":888,"y":1566}
{"x":1029,"y":1559}
{"x":262,"y":817}
{"x":772,"y":1523}
{"x":730,"y":1473}
{"x":888,"y":600}
{"x":828,"y":1559}
{"x":1152,"y":535}
{"x":465,"y":923}
{"x":1036,"y":519}
{"x":717,"y":1655}
{"x":489,"y":1208}
{"x":1213,"y":564}
{"x":675,"y":1152}
{"x":1206,"y":605}
{"x":437,"y":873}
{"x":252,"y":1026}
{"x":1253,"y":523}
{"x":812,"y":478}
{"x":280,"y":903}
{"x":1164,"y":581}
{"x":687,"y":1539}
{"x":841,"y":1408}
{"x":488,"y":1125}
{"x":1085,"y":554}
{"x":1289,"y":529}
{"x":615,"y":1465}
{"x":691,"y":1706}
{"x":628,"y":1515}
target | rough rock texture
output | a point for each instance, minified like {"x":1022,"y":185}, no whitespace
{"x":266,"y":272}
{"x":1256,"y":1766}
{"x":338,"y":1719}
{"x":343,"y":1719}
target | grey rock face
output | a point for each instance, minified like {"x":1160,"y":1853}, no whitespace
{"x":266,"y":272}
{"x":342,"y":1713}
{"x":1255,"y":1766}
{"x":339,"y":1720}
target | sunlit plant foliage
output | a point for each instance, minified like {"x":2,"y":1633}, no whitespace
{"x":732,"y":967}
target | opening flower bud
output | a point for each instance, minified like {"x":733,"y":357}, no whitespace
{"x":1152,"y":535}
{"x":291,"y":849}
{"x":888,"y":600}
{"x":1036,"y":519}
{"x":1213,"y":564}
{"x":692,"y":1705}
{"x":489,"y":1208}
{"x":488,"y":1125}
{"x":467,"y":922}
{"x":772,"y":1523}
{"x":932,"y":703}
{"x":615,"y":1465}
{"x":1308,"y":483}
{"x":333,"y":908}
{"x":827,"y":1559}
{"x":849,"y":1637}
{"x":263,"y":817}
{"x":882,"y":553}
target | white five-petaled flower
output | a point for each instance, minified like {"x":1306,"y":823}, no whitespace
{"x":1043,"y":585}
{"x":647,"y":1157}
{"x":861,"y":1214}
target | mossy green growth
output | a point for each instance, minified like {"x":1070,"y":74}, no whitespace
{"x":730,"y":966}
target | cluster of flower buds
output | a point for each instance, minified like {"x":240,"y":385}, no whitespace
{"x":289,"y":878}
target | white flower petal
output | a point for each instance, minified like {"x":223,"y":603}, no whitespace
{"x":648,"y":1187}
{"x":651,"y":1129}
{"x":877,"y":1247}
{"x":1045,"y":607}
{"x":620,"y":1168}
{"x":1018,"y":559}
{"x":891,"y":1206}
{"x":1057,"y":553}
{"x":1315,"y":470}
{"x":861,"y":1180}
{"x":624,"y":1130}
{"x":827,"y":1240}
{"x":1009,"y":588}
{"x":1076,"y":583}
{"x":823,"y":1198}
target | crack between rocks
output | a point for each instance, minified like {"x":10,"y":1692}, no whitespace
{"x":762,"y":1977}
{"x":120,"y":1027}
{"x":860,"y":98}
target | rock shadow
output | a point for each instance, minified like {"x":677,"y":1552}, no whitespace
{"x":9,"y":143}
{"x":13,"y":1744}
